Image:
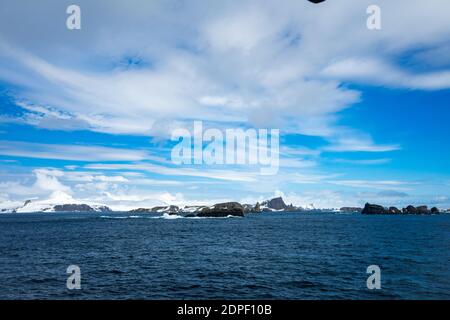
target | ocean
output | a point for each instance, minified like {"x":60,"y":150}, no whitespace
{"x":260,"y":256}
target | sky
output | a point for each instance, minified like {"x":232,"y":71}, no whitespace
{"x":87,"y":115}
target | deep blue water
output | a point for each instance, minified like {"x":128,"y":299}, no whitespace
{"x":267,"y":256}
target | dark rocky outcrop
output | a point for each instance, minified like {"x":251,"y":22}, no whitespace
{"x":422,"y":210}
{"x":166,"y":209}
{"x":278,"y":204}
{"x":434,"y":210}
{"x":377,"y":209}
{"x":409,"y":210}
{"x":350,"y":209}
{"x":374,"y":209}
{"x":140,"y":210}
{"x":248,"y":208}
{"x":292,"y":208}
{"x":102,"y":209}
{"x":275,"y":203}
{"x":394,"y":210}
{"x":173,"y":210}
{"x":193,"y":208}
{"x":73,"y":208}
{"x":222,"y":210}
{"x":79,"y":208}
{"x":158,"y":209}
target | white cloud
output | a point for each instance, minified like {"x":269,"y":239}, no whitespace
{"x":48,"y":180}
{"x":356,"y":144}
{"x":223,"y":63}
{"x":46,"y":184}
{"x":233,"y":63}
{"x":310,"y":178}
{"x":374,"y":184}
{"x":299,"y":151}
{"x":297,"y":163}
{"x":374,"y":71}
{"x":363,"y":161}
{"x":70,"y":152}
{"x":219,"y":174}
{"x":51,"y":186}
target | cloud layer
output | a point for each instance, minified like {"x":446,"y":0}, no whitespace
{"x":251,"y":63}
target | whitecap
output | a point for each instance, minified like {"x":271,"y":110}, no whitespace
{"x":168,"y":216}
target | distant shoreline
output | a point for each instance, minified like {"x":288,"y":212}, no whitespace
{"x":226,"y":209}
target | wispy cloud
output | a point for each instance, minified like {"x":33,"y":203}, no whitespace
{"x":69,"y":152}
{"x":220,"y":65}
{"x":374,"y":71}
{"x":374,"y":184}
{"x":218,"y":174}
{"x":359,"y":145}
{"x":392,"y":194}
{"x":363,"y":161}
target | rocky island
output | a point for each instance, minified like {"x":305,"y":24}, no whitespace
{"x":371,"y":209}
{"x":223,"y":209}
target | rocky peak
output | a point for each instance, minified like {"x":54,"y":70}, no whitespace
{"x":275,"y":203}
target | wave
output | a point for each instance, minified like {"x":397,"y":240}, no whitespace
{"x":168,"y":216}
{"x":227,"y":217}
{"x":174,"y":216}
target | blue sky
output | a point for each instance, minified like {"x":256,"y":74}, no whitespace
{"x":86,"y":115}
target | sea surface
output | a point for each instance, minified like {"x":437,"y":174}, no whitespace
{"x":265,"y":256}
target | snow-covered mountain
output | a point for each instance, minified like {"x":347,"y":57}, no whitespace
{"x":58,"y":202}
{"x":30,"y":206}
